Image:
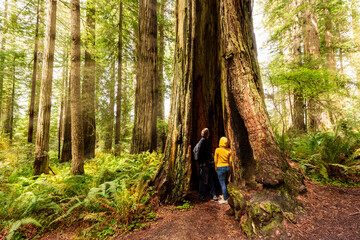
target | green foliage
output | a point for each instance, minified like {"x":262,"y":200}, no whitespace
{"x":327,"y":156}
{"x":113,"y":195}
{"x":185,"y":206}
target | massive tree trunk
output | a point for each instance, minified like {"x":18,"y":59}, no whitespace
{"x":119,"y":85}
{"x":217,"y":84}
{"x":33,"y":79}
{"x":299,"y":105}
{"x":77,"y":138}
{"x":2,"y":58}
{"x":41,"y":164}
{"x":144,"y":135}
{"x":88,"y":86}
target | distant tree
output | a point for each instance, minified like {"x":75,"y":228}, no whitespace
{"x":41,"y":164}
{"x":88,"y":85}
{"x":2,"y":56}
{"x":33,"y":78}
{"x":119,"y":83}
{"x":77,"y":137}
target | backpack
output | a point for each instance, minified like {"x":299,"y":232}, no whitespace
{"x":196,"y":150}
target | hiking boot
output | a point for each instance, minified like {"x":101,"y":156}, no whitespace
{"x":221,"y":197}
{"x":222,"y":201}
{"x":215,"y":198}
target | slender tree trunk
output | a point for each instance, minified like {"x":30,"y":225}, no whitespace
{"x":62,"y":109}
{"x":161,"y":54}
{"x":9,"y":122}
{"x":41,"y":164}
{"x":33,"y":79}
{"x":118,"y":94}
{"x":88,"y":86}
{"x":66,"y":145}
{"x":355,"y":17}
{"x":77,"y":137}
{"x":2,"y":58}
{"x":110,"y":128}
{"x":146,"y":91}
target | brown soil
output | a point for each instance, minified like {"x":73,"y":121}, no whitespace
{"x":329,"y":213}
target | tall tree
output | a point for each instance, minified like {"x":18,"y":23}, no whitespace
{"x":299,"y":105}
{"x":119,"y":84}
{"x":161,"y":83}
{"x":77,"y":139}
{"x":2,"y":57}
{"x":312,"y":52}
{"x":41,"y":164}
{"x":33,"y":78}
{"x":228,"y":97}
{"x":110,"y":127}
{"x":9,"y":121}
{"x":88,"y":86}
{"x":144,"y":135}
{"x":66,"y":138}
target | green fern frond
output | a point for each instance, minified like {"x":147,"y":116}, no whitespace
{"x":16,"y":225}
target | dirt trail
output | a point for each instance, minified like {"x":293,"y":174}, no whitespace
{"x":329,"y":213}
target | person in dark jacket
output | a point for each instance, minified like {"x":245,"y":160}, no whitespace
{"x":204,"y":161}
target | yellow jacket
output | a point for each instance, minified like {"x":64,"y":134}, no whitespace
{"x":222,"y":153}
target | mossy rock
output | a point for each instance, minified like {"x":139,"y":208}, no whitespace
{"x":237,"y":200}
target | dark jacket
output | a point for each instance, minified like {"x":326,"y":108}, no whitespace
{"x":205,"y":155}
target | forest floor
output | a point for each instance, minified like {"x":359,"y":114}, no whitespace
{"x":330,"y":212}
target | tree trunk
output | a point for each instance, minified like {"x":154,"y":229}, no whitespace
{"x":161,"y":53}
{"x":33,"y":79}
{"x":355,"y":18}
{"x":299,"y":106}
{"x":118,"y":94}
{"x":2,"y":59}
{"x":66,"y":138}
{"x":110,"y":127}
{"x":63,"y":105}
{"x":330,"y":53}
{"x":9,"y":122}
{"x":41,"y":164}
{"x":146,"y":91}
{"x":77,"y":138}
{"x":88,"y":86}
{"x":217,"y":85}
{"x":311,"y":42}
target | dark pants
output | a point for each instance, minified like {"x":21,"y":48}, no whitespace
{"x":206,"y":182}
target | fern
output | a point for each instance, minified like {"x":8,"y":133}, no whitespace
{"x":16,"y":225}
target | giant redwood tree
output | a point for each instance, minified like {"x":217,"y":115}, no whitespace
{"x":217,"y":84}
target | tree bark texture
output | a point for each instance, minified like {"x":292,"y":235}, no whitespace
{"x":66,"y":139}
{"x":217,"y":85}
{"x":119,"y":85}
{"x":77,"y":138}
{"x":33,"y":78}
{"x":329,"y":40}
{"x":88,"y":86}
{"x":144,"y":135}
{"x":41,"y":164}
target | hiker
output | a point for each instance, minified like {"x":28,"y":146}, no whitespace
{"x":222,"y":166}
{"x":203,"y":155}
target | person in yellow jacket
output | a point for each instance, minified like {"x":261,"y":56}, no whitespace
{"x":222,"y":164}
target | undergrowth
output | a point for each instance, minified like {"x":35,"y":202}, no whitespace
{"x":113,"y":196}
{"x":329,"y":157}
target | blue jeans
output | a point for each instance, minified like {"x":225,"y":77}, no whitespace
{"x":223,"y":174}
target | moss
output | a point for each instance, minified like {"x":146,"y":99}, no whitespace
{"x":271,"y":227}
